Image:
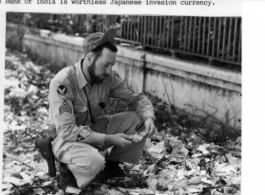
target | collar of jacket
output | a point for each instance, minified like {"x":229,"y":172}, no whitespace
{"x":82,"y":82}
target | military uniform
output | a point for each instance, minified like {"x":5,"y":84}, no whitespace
{"x":76,"y":114}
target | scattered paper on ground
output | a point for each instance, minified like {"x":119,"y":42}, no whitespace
{"x":176,"y":161}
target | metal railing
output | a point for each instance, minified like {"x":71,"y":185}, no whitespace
{"x":213,"y":38}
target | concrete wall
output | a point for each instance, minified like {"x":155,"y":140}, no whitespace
{"x":187,"y":85}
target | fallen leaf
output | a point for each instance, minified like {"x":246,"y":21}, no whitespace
{"x":13,"y":180}
{"x":203,"y":149}
{"x":207,"y":181}
{"x":26,"y":177}
{"x":40,"y":174}
{"x":184,"y":151}
{"x":47,"y":183}
{"x":236,"y":180}
{"x":6,"y":186}
{"x":39,"y":191}
{"x":195,"y":180}
{"x":16,"y":175}
{"x":192,"y":190}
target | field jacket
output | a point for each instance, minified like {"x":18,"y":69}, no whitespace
{"x":70,"y":95}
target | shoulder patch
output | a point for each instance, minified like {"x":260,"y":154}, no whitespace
{"x":62,"y":90}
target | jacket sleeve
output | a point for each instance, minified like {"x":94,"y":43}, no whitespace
{"x":61,"y":98}
{"x":131,"y":98}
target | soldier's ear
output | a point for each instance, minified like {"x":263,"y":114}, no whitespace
{"x":89,"y":56}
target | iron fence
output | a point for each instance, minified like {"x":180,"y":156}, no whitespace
{"x":213,"y":38}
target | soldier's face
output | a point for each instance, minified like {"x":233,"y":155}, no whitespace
{"x":101,"y":67}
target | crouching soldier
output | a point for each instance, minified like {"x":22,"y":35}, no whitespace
{"x":77,"y":97}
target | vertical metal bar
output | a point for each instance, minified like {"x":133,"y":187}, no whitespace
{"x":199,"y":36}
{"x":214,"y":32}
{"x":78,"y":24}
{"x":87,"y":22}
{"x":194,"y":35}
{"x":121,"y":23}
{"x":240,"y":37}
{"x":185,"y":32}
{"x":108,"y":22}
{"x":235,"y":37}
{"x":164,"y":32}
{"x":153,"y":31}
{"x":135,"y":23}
{"x":104,"y":21}
{"x":203,"y":36}
{"x":131,"y":26}
{"x":229,"y":38}
{"x":125,"y":24}
{"x":224,"y":37}
{"x":81,"y":24}
{"x":127,"y":28}
{"x":190,"y":34}
{"x":113,"y":23}
{"x":156,"y":31}
{"x":99,"y":21}
{"x":137,"y":28}
{"x":168,"y":31}
{"x":172,"y":32}
{"x":149,"y":30}
{"x":219,"y":37}
{"x":73,"y":22}
{"x":144,"y":29}
{"x":180,"y":33}
{"x":209,"y":34}
{"x":160,"y":31}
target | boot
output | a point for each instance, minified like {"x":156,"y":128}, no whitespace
{"x":67,"y":179}
{"x":111,"y":170}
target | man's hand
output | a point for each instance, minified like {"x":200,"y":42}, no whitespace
{"x":149,"y":126}
{"x":119,"y":139}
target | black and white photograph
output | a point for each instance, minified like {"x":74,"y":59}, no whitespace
{"x":122,"y":104}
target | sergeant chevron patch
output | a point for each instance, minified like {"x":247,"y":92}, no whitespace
{"x":65,"y":107}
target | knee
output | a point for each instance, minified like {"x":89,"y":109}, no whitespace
{"x":135,"y":118}
{"x":92,"y":163}
{"x":97,"y":162}
{"x":137,"y":121}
